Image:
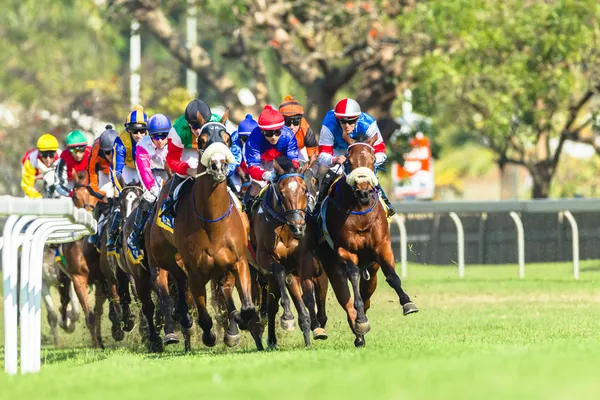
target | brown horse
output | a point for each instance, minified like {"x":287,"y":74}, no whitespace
{"x":82,"y":264}
{"x":284,"y":242}
{"x":211,"y":236}
{"x":357,"y":223}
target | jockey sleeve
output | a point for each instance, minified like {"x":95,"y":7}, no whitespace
{"x":310,"y":141}
{"x":61,"y":178}
{"x":174,"y":153}
{"x":118,"y":162}
{"x":142,"y":163}
{"x":29,"y":173}
{"x":236,"y":150}
{"x":331,"y":139}
{"x":97,"y":164}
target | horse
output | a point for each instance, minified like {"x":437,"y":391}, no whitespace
{"x":211,"y":235}
{"x":111,"y":265}
{"x":82,"y":263}
{"x":284,"y":241}
{"x":357,"y":224}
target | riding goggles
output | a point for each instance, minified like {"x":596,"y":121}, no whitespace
{"x":195,"y":125}
{"x":293,"y":120}
{"x":47,"y":154}
{"x":77,"y":150}
{"x":139,"y":131}
{"x":347,"y":121}
{"x":160,"y":135}
{"x":271,"y":133}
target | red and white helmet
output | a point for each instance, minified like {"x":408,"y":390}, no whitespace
{"x":347,"y":108}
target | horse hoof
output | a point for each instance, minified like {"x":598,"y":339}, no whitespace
{"x":320,"y":334}
{"x":118,"y":334}
{"x":231,"y":340}
{"x":70,"y":328}
{"x":129,"y":325}
{"x":410,"y":308}
{"x":209,"y":339}
{"x":362,"y":327}
{"x":155,"y":346}
{"x":359,"y":341}
{"x":170,"y":338}
{"x":288,"y":324}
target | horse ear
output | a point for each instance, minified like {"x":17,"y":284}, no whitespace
{"x":372,"y":140}
{"x":225,"y":116}
{"x":278,"y":168}
{"x":121,"y":180}
{"x":200,"y":118}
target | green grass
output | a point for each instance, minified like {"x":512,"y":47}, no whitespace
{"x":488,"y":336}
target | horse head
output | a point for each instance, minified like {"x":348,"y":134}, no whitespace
{"x":214,"y":143}
{"x":83,"y":196}
{"x":291,"y":194}
{"x":130,"y":197}
{"x":361,"y":162}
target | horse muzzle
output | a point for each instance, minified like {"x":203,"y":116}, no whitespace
{"x":218,"y":168}
{"x":298,"y":229}
{"x":364,"y":195}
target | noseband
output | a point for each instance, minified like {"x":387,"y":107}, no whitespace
{"x":283,"y":219}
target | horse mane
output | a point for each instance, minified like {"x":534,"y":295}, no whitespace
{"x":286,"y":164}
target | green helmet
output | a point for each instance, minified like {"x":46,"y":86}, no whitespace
{"x":76,"y":138}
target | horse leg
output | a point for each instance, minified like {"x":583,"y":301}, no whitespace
{"x":217,"y":301}
{"x":232,"y":335}
{"x":272,"y":309}
{"x":198,"y":287}
{"x":144,"y":292}
{"x":321,"y":284}
{"x":287,"y":318}
{"x":125,"y":300}
{"x":101,"y":296}
{"x":115,"y":312}
{"x":339,"y":283}
{"x":248,"y":318}
{"x":385,"y":257}
{"x":183,"y":307}
{"x":52,"y":315}
{"x":304,"y":319}
{"x":362,"y":325}
{"x":309,"y":298}
{"x":67,"y":296}
{"x":367,"y":288}
{"x":80,"y":284}
{"x":160,"y":280}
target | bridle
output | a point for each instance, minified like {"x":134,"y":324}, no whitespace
{"x":283,"y":218}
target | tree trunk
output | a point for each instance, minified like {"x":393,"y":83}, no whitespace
{"x":542,"y":174}
{"x":318,"y":104}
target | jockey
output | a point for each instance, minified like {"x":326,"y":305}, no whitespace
{"x":348,"y":118}
{"x":182,"y":154}
{"x":242,"y":134}
{"x":99,"y":170}
{"x":269,"y":140}
{"x":293,"y":115}
{"x":37,"y":163}
{"x":76,"y":159}
{"x":123,"y":162}
{"x":150,"y":161}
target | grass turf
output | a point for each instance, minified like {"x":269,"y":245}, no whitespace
{"x":489,"y":336}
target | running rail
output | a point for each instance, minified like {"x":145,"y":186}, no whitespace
{"x":45,"y":221}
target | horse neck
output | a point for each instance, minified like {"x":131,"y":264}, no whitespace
{"x":212,"y":198}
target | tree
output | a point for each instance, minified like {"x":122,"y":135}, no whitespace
{"x":522,"y":75}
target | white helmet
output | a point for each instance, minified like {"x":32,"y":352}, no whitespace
{"x":347,"y":108}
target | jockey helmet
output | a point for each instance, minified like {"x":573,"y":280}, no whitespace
{"x":159,"y":123}
{"x":347,"y":108}
{"x":290,"y":107}
{"x":107,"y":138}
{"x":247,"y":126}
{"x":195,"y":107}
{"x":47,"y":142}
{"x":270,"y":119}
{"x":76,"y":139}
{"x":137,"y":119}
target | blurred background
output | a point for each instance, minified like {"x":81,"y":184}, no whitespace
{"x":477,"y":99}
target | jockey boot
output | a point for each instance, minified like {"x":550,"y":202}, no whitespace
{"x":324,"y":189}
{"x":248,"y":201}
{"x":133,"y":241}
{"x":113,"y":233}
{"x":168,"y":207}
{"x":387,"y":202}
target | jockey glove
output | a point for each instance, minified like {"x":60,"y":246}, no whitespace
{"x":269,"y":176}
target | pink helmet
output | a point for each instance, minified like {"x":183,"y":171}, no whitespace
{"x":347,"y":108}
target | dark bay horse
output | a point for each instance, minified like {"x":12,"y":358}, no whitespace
{"x":284,"y":241}
{"x":357,"y":223}
{"x":211,"y":236}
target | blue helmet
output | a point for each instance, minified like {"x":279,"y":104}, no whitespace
{"x":159,"y":123}
{"x":247,"y":126}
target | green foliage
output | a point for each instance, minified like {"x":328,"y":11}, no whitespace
{"x":506,"y":70}
{"x":577,"y":178}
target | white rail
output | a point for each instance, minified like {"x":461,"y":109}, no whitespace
{"x":47,"y":221}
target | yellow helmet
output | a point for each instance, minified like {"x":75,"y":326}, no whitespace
{"x":47,"y":142}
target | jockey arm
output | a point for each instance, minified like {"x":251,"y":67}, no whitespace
{"x":236,"y":150}
{"x":93,"y":166}
{"x":28,"y":180}
{"x":310,"y":142}
{"x":174,"y":153}
{"x":118,"y":162}
{"x":292,"y":151}
{"x":253,"y":157}
{"x":379,"y":145}
{"x":61,"y":178}
{"x":142,"y":163}
{"x":326,"y":146}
